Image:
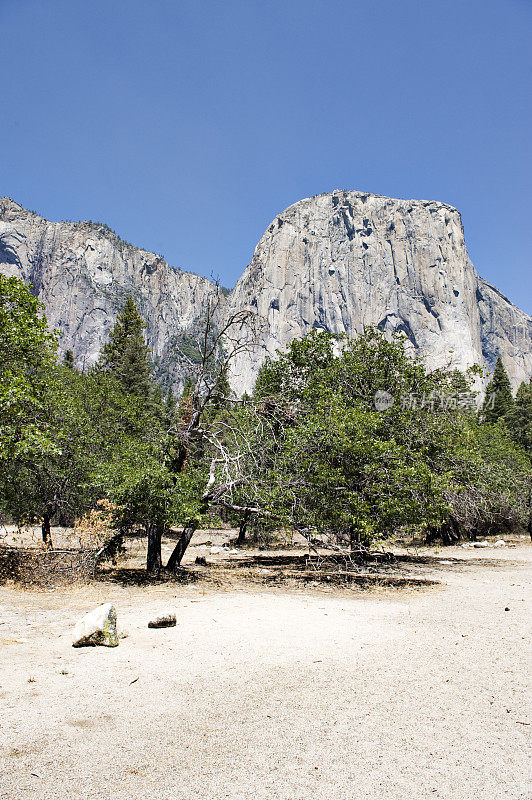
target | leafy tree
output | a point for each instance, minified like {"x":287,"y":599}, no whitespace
{"x":499,"y":400}
{"x":164,"y":477}
{"x":149,"y":496}
{"x":353,"y":473}
{"x":27,"y":353}
{"x":91,"y":422}
{"x":58,"y":427}
{"x":27,"y":357}
{"x":491,"y":482}
{"x":56,"y":483}
{"x":345,"y":470}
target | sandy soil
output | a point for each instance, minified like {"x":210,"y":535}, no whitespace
{"x":275,"y":693}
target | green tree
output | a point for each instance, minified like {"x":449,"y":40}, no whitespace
{"x":345,"y":470}
{"x":68,"y":359}
{"x":520,"y":421}
{"x":58,"y":427}
{"x":170,"y":406}
{"x":125,"y":355}
{"x":27,"y":357}
{"x":491,"y":478}
{"x":499,"y":400}
{"x":348,"y":469}
{"x":56,"y":483}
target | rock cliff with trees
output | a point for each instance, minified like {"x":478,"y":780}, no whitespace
{"x":350,"y":442}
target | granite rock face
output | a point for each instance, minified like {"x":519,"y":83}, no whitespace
{"x":346,"y":260}
{"x":83,"y":273}
{"x":339,"y":261}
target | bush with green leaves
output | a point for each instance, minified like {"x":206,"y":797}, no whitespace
{"x":352,"y":473}
{"x":27,"y":357}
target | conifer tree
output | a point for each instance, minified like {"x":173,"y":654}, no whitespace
{"x":522,"y":416}
{"x":170,"y":405}
{"x":499,"y":401}
{"x":188,"y":387}
{"x":126,"y":354}
{"x":222,"y":390}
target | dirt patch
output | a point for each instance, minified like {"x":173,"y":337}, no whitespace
{"x":261,"y":692}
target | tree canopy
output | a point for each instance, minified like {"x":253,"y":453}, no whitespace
{"x":376,"y":445}
{"x":349,"y":442}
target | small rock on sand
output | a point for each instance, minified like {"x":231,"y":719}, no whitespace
{"x":98,"y":627}
{"x":167,"y":620}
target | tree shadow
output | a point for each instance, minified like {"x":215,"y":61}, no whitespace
{"x":137,"y":576}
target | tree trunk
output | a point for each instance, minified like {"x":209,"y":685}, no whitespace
{"x":45,"y":528}
{"x":243,"y":528}
{"x":179,"y":550}
{"x":450,"y":533}
{"x":354,"y":540}
{"x":530,"y":512}
{"x":153,"y":557}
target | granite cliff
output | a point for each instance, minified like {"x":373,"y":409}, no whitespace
{"x":83,"y":273}
{"x":339,"y":261}
{"x":346,"y":260}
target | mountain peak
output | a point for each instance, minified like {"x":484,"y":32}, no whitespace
{"x":340,"y":261}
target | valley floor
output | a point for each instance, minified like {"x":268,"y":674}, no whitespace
{"x":268,"y":693}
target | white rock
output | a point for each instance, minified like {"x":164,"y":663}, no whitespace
{"x":500,"y":543}
{"x":98,"y":627}
{"x":215,"y":550}
{"x":481,"y":544}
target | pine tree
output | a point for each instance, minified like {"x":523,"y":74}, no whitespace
{"x":222,"y":391}
{"x":188,"y":387}
{"x":170,"y":405}
{"x":68,"y":359}
{"x":126,"y":354}
{"x":499,"y":401}
{"x":521,"y":417}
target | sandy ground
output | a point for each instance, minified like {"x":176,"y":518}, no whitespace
{"x":262,"y":694}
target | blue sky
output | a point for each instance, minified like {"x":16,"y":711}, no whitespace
{"x":187,"y":126}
